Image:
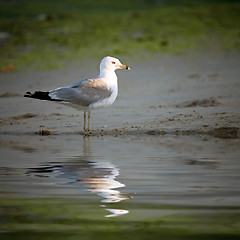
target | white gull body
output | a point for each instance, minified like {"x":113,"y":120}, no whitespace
{"x":90,"y":93}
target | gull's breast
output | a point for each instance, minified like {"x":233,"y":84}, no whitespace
{"x":105,"y":102}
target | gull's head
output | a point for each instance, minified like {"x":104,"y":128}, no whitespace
{"x":111,"y":64}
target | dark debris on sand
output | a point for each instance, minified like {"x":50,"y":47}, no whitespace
{"x":44,"y":133}
{"x":226,"y":132}
{"x":9,"y":94}
{"x":27,"y":115}
{"x":199,"y":102}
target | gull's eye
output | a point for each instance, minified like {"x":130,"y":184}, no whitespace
{"x":113,"y":63}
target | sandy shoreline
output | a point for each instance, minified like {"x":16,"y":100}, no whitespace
{"x":168,"y":148}
{"x":190,"y":94}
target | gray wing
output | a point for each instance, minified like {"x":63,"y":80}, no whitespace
{"x":82,"y":93}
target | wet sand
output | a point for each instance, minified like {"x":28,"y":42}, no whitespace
{"x":191,"y":94}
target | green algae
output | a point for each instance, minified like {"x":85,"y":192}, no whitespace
{"x":47,"y":35}
{"x":68,"y":218}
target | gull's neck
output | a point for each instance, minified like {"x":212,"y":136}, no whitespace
{"x":108,"y":75}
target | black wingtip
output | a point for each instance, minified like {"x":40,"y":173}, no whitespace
{"x":40,"y":95}
{"x":27,"y":94}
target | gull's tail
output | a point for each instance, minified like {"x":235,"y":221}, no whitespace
{"x":40,"y":95}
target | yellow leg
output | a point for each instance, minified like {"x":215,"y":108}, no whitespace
{"x":84,"y":125}
{"x":86,"y":128}
{"x":89,"y":115}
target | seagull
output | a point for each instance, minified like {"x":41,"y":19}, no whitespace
{"x":89,"y":93}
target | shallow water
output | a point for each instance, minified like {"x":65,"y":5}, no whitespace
{"x":74,"y":187}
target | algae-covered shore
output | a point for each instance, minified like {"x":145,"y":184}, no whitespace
{"x":48,"y":35}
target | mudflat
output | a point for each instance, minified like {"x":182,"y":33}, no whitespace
{"x":164,"y":94}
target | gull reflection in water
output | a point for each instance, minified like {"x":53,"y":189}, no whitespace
{"x":98,"y":177}
{"x":106,"y":185}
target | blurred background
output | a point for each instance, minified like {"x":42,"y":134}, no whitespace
{"x":44,"y":34}
{"x":162,"y":162}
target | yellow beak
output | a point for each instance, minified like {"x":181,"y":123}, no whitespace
{"x":125,"y":67}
